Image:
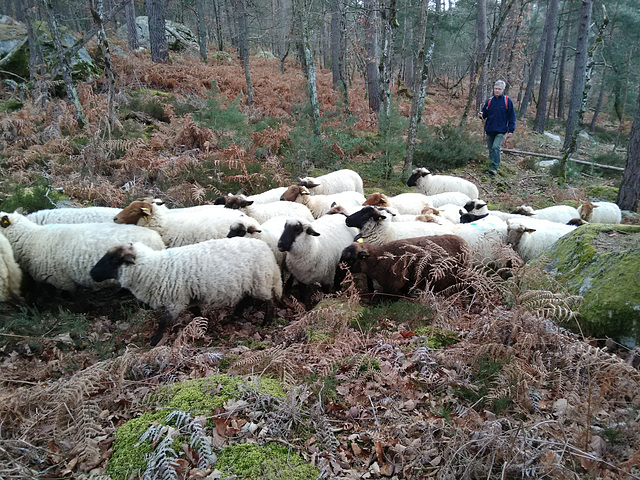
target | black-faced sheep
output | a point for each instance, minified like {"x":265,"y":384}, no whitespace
{"x":429,"y":184}
{"x":344,"y":180}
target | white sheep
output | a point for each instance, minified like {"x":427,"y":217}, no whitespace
{"x":429,"y":184}
{"x":314,"y":248}
{"x":403,"y":204}
{"x":600,"y":212}
{"x":176,"y":230}
{"x":335,"y":182}
{"x":530,"y":238}
{"x":456,"y":198}
{"x":74,"y":215}
{"x":269,"y":232}
{"x":486,"y":238}
{"x":212,"y":274}
{"x":63,"y":254}
{"x":269,"y":196}
{"x":375,"y":228}
{"x":477,"y":209}
{"x":319,"y":205}
{"x":10,"y":273}
{"x":264,"y":211}
{"x":554,"y":213}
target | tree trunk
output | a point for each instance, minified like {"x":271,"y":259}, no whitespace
{"x":37,"y":67}
{"x":533,"y":74}
{"x":202,"y":30}
{"x":483,"y":57}
{"x":389,"y":23}
{"x":157,"y":34}
{"x":336,"y":44}
{"x":230,"y":23}
{"x":561,"y":67}
{"x":104,"y":46}
{"x":629,"y":191}
{"x":624,"y":101}
{"x":580,"y":67}
{"x":243,"y":46}
{"x":550,"y":26}
{"x":132,"y":30}
{"x":481,"y":45}
{"x":417,"y":104}
{"x":371,"y":47}
{"x":311,"y":73}
{"x":598,"y":107}
{"x":218,"y":24}
{"x":64,"y":64}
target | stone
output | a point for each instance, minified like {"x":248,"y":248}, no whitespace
{"x":602,"y":264}
{"x":179,"y":36}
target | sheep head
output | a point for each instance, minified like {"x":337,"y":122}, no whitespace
{"x":135,"y":211}
{"x":377,"y":199}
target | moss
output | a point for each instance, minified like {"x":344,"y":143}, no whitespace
{"x":271,"y":461}
{"x":602,"y":263}
{"x":602,"y":193}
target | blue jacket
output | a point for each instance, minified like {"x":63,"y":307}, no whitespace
{"x":500,"y":117}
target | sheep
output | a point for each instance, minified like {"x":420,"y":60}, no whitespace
{"x":555,"y":213}
{"x":216,"y":273}
{"x":375,"y":230}
{"x":532,"y":238}
{"x":63,"y":254}
{"x":478,"y":209}
{"x":429,"y":184}
{"x":450,"y":212}
{"x":74,"y":215}
{"x":404,"y":203}
{"x":314,"y":248}
{"x":177,"y":230}
{"x":335,"y":182}
{"x":269,"y":232}
{"x":263,"y":212}
{"x":10,"y":273}
{"x":600,"y":212}
{"x":269,"y":196}
{"x":319,"y":205}
{"x":486,"y":238}
{"x":403,"y":266}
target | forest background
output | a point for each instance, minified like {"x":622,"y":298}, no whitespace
{"x":270,"y":90}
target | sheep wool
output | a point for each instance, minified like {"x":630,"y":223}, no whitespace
{"x":532,"y":238}
{"x":404,"y":204}
{"x":600,"y":212}
{"x":429,"y":184}
{"x":335,"y":182}
{"x":554,"y":213}
{"x":319,"y":205}
{"x":74,"y":215}
{"x":175,"y":229}
{"x":263,"y":212}
{"x":63,"y":254}
{"x":10,"y":273}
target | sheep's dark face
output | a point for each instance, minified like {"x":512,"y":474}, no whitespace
{"x":291,"y":231}
{"x":417,"y":174}
{"x":308,"y":182}
{"x":350,"y":258}
{"x":237,"y":230}
{"x":236,"y":203}
{"x":108,"y":267}
{"x":362,"y":216}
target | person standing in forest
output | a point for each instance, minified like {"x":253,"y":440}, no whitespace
{"x":500,"y":122}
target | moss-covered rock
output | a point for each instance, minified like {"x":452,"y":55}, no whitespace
{"x":196,"y":397}
{"x":250,"y":461}
{"x":602,"y":263}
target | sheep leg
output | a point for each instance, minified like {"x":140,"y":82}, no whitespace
{"x":166,"y":319}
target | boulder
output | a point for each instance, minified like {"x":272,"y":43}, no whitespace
{"x":179,"y":36}
{"x":602,"y":264}
{"x":14,"y":50}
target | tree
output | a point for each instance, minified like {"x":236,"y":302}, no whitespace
{"x":202,"y":30}
{"x":103,"y":44}
{"x":157,"y":34}
{"x":243,"y":45}
{"x":371,"y":47}
{"x":310,"y":70}
{"x":337,"y":53}
{"x":550,"y":26}
{"x":132,"y":30}
{"x":579,"y":69}
{"x":629,"y":191}
{"x":389,"y":24}
{"x":481,"y":45}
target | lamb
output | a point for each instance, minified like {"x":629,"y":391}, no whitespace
{"x":403,"y":266}
{"x":429,"y":184}
{"x":212,"y":274}
{"x":600,"y":212}
{"x":63,"y":254}
{"x":335,"y":182}
{"x":263,"y":212}
{"x":74,"y":215}
{"x":314,"y":248}
{"x":175,"y":229}
{"x":375,"y":230}
{"x":404,"y":203}
{"x":319,"y":205}
{"x":555,"y":213}
{"x":10,"y":273}
{"x":532,"y":238}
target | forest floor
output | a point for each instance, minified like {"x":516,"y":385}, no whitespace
{"x":429,"y":387}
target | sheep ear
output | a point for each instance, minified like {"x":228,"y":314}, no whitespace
{"x":363,"y":255}
{"x":219,"y":201}
{"x":246,"y":203}
{"x":5,"y":222}
{"x":311,"y":231}
{"x":129,"y":259}
{"x":312,"y":184}
{"x":595,"y":206}
{"x":529,"y":230}
{"x":19,"y":210}
{"x":358,"y":238}
{"x":253,"y":229}
{"x":146,"y":211}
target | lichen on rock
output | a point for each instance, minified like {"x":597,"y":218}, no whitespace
{"x":602,"y":264}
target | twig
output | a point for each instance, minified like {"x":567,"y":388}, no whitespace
{"x":374,"y":412}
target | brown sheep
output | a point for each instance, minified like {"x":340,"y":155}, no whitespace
{"x":403,"y":266}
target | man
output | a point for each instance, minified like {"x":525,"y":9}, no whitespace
{"x":500,"y":121}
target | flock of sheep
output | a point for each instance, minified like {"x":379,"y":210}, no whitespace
{"x":213,"y":256}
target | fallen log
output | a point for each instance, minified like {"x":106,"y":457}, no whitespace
{"x":557,"y":157}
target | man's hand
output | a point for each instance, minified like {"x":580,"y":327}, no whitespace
{"x":480,"y":115}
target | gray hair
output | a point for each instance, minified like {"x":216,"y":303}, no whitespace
{"x":500,"y":83}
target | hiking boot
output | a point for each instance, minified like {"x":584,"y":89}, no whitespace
{"x":491,"y":172}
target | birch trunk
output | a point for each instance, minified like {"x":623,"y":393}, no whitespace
{"x":629,"y":191}
{"x":104,"y":46}
{"x":243,"y":46}
{"x":202,"y":30}
{"x":371,"y":47}
{"x":310,"y":69}
{"x":389,"y":24}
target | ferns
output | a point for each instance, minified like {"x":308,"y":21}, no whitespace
{"x":558,"y":306}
